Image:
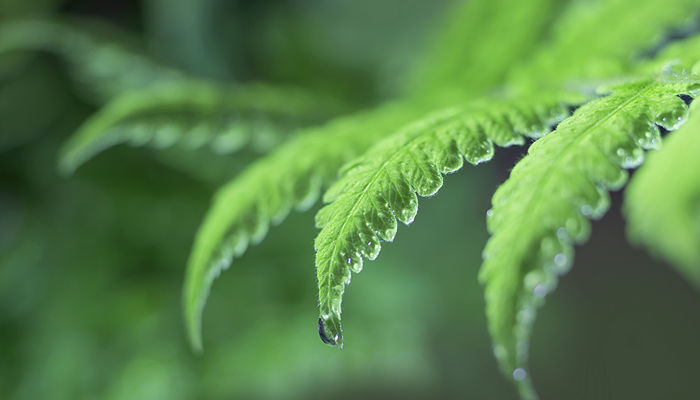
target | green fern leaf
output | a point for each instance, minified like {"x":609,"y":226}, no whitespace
{"x":544,"y":207}
{"x":195,"y":115}
{"x":662,"y":201}
{"x":290,"y":177}
{"x":380,"y":187}
{"x":458,"y":62}
{"x":104,"y":61}
{"x":580,"y":50}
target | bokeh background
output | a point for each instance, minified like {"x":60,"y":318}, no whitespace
{"x":91,"y":266}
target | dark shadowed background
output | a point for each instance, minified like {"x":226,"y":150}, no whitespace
{"x":91,"y":266}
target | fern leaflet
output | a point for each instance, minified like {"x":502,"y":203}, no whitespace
{"x":291,"y":176}
{"x":662,"y":202}
{"x":195,"y":115}
{"x":380,"y":187}
{"x":544,"y":206}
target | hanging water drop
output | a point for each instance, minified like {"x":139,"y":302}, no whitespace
{"x":519,"y":374}
{"x":322,"y":333}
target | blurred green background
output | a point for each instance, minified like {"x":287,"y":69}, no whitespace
{"x":91,"y":266}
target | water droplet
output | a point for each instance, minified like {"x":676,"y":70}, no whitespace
{"x":673,"y":115}
{"x":560,"y":260}
{"x":647,"y":135}
{"x":586,"y":210}
{"x":540,"y":290}
{"x":322,"y":333}
{"x":519,"y":374}
{"x":562,"y":234}
{"x":356,"y":264}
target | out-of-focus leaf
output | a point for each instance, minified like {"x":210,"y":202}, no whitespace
{"x":196,"y":115}
{"x":103,"y":60}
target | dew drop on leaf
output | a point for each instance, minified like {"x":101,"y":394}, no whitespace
{"x":586,"y":210}
{"x":673,"y":117}
{"x":540,"y":290}
{"x":560,"y":260}
{"x":519,"y":374}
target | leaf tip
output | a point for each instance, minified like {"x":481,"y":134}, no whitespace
{"x":194,"y":330}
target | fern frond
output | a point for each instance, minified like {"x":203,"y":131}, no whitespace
{"x":662,"y":201}
{"x":105,"y":61}
{"x":544,"y":206}
{"x":678,"y":57}
{"x":290,"y":177}
{"x":380,"y":187}
{"x":471,"y":54}
{"x":600,"y":39}
{"x":195,"y":115}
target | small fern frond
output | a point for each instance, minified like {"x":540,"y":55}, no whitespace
{"x":290,"y":177}
{"x":195,"y":115}
{"x":380,"y":187}
{"x":544,"y":206}
{"x":103,"y":60}
{"x":662,"y":201}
